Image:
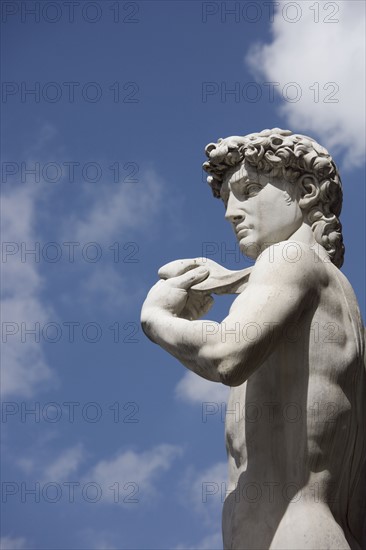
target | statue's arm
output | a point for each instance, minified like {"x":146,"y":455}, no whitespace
{"x":181,"y":338}
{"x":278,"y":292}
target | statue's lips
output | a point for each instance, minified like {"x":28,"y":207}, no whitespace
{"x":241,"y":232}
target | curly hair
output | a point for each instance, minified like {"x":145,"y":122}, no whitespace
{"x":280,"y":153}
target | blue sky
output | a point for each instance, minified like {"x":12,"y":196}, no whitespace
{"x":122,"y":451}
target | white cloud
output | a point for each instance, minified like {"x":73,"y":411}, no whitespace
{"x":97,"y":538}
{"x":194,"y":389}
{"x":119,"y":218}
{"x":65,"y":465}
{"x":135,"y":473}
{"x":109,"y":211}
{"x":24,"y":368}
{"x":109,"y":289}
{"x":308,"y":52}
{"x":205,"y":492}
{"x":12,"y":543}
{"x":103,"y":544}
{"x":209,"y":542}
{"x":112,"y":209}
{"x":129,"y":476}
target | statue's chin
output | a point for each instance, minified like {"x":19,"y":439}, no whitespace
{"x":249,"y":249}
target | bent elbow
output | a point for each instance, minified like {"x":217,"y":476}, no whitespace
{"x":232,"y":373}
{"x":230,"y":369}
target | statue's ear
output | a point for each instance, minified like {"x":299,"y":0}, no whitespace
{"x":308,"y":191}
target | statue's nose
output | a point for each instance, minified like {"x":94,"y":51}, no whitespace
{"x":234,"y":212}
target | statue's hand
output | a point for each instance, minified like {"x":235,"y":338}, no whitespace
{"x":219,"y":281}
{"x":196,"y":306}
{"x":198,"y":303}
{"x":172,"y":295}
{"x":179,"y":267}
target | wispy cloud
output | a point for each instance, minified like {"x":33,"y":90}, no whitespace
{"x":66,"y":464}
{"x":204,"y":492}
{"x":140,"y":470}
{"x":209,"y":542}
{"x":109,"y":213}
{"x":111,"y":210}
{"x":196,"y":390}
{"x":24,"y":367}
{"x":107,"y":289}
{"x":98,"y":538}
{"x":315,"y":51}
{"x":135,"y":473}
{"x":13,"y":543}
{"x":120,"y":219}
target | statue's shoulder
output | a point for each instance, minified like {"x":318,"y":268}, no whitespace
{"x":288,"y":262}
{"x":291,"y":253}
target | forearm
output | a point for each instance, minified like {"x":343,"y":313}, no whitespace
{"x":183,"y":339}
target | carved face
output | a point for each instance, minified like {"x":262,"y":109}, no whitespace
{"x":262,"y":210}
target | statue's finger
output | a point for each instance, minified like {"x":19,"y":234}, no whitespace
{"x":179,"y":267}
{"x":192,"y":277}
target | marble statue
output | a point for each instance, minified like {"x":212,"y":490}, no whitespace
{"x":292,"y":344}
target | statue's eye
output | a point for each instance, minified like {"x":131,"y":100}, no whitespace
{"x":251,"y":189}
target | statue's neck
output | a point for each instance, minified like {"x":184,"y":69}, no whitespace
{"x":304,"y":235}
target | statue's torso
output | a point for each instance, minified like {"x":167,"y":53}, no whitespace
{"x":291,"y":431}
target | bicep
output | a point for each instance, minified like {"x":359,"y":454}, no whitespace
{"x":274,"y":298}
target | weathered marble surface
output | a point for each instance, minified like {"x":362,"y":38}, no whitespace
{"x":292,"y":346}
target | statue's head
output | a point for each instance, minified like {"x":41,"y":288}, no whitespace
{"x":297,"y":166}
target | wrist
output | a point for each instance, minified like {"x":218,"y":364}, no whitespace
{"x":152,"y":317}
